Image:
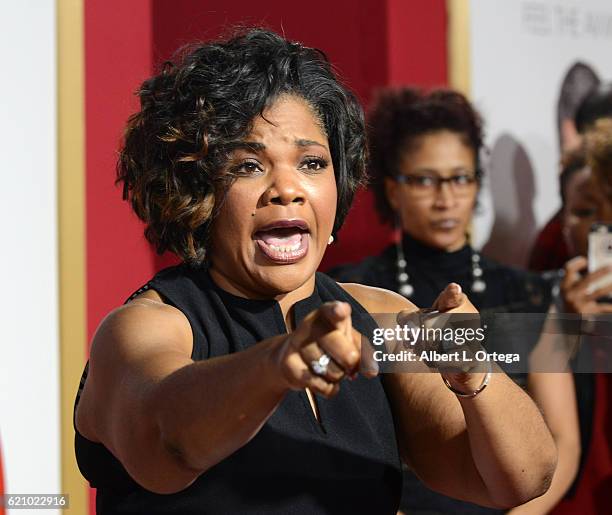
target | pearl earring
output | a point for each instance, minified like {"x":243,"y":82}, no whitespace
{"x":331,"y":240}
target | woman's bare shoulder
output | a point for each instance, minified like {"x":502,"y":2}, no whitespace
{"x":377,"y":300}
{"x":143,"y":338}
{"x":148,"y":317}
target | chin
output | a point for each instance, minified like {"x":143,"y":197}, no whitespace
{"x":282,"y":279}
{"x":445,"y":242}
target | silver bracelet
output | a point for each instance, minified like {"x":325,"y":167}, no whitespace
{"x":482,"y":386}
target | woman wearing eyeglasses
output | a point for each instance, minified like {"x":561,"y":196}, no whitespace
{"x":426,"y":173}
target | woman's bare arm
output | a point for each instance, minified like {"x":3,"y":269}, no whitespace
{"x":169,"y":419}
{"x":166,"y":418}
{"x":555,"y":395}
{"x":493,"y":449}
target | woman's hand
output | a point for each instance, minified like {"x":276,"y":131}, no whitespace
{"x":453,"y":300}
{"x":577,"y":292}
{"x":327,"y":330}
{"x":467,"y":378}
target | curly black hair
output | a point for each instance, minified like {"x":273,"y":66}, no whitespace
{"x":597,"y":104}
{"x":171,"y":162}
{"x":598,"y":148}
{"x":400,"y":116}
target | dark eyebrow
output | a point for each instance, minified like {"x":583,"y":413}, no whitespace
{"x":308,"y":143}
{"x":430,"y":171}
{"x":253,"y":146}
{"x":427,"y":171}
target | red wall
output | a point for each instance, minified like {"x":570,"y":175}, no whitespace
{"x":118,"y":58}
{"x":416,"y":43}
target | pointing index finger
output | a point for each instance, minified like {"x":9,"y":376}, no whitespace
{"x":450,"y":298}
{"x":337,"y":313}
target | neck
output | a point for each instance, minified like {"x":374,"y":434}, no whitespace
{"x":458,"y":244}
{"x":286,"y":300}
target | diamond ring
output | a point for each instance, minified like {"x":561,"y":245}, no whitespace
{"x":319,"y":366}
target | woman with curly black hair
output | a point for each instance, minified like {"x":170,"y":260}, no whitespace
{"x":218,"y":387}
{"x":426,"y":165}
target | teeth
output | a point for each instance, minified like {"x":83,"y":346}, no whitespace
{"x":285,"y":248}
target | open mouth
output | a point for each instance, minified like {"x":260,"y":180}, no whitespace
{"x":284,"y":241}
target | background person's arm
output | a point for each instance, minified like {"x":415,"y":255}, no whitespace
{"x":168,"y":419}
{"x":555,"y":395}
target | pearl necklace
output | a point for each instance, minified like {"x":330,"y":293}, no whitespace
{"x":403,"y":279}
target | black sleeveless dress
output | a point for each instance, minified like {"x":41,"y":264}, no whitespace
{"x":347,"y":463}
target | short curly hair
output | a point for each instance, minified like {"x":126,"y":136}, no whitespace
{"x":400,"y":116}
{"x":596,"y":105}
{"x":171,"y":161}
{"x":598,"y":145}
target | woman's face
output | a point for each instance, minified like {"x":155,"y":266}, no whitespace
{"x":274,"y":225}
{"x":437,"y":215}
{"x":603,"y":183}
{"x":583,"y":207}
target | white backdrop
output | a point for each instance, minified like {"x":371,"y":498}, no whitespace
{"x":520,"y":50}
{"x":29,"y":378}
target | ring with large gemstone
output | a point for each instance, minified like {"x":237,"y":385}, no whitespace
{"x":319,"y":366}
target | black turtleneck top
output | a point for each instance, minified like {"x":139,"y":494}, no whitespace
{"x":430,"y":270}
{"x":346,"y":463}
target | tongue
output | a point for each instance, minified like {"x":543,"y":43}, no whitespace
{"x":280,"y":237}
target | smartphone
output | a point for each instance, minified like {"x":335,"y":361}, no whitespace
{"x":600,"y":255}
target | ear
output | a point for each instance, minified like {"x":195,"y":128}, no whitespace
{"x":392,"y":193}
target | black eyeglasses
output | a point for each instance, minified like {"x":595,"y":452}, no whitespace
{"x":461,"y":184}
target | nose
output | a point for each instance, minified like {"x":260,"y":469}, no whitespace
{"x":285,"y":188}
{"x":444,"y":196}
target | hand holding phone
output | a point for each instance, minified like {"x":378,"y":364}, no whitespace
{"x":600,"y":257}
{"x":587,"y":285}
